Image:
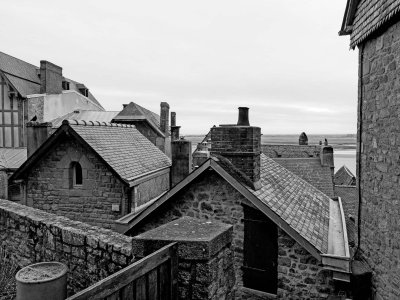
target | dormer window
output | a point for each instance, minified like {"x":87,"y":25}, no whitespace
{"x":84,"y":92}
{"x":65,"y":85}
{"x":76,"y":178}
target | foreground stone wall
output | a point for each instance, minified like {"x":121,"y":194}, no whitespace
{"x":379,"y":173}
{"x":210,"y":197}
{"x":91,"y":253}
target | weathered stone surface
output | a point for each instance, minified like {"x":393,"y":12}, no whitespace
{"x":379,"y":159}
{"x":31,"y":235}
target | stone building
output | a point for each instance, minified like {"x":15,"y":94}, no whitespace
{"x":92,"y":172}
{"x":29,"y":93}
{"x":289,"y":238}
{"x":374,"y":28}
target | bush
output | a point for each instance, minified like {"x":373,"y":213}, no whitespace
{"x":8,"y":269}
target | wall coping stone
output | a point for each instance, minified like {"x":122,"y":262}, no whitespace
{"x":197,"y":239}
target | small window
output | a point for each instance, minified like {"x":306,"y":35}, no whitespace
{"x":76,"y":177}
{"x":65,"y":85}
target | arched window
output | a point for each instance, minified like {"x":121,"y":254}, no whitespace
{"x":75,"y":174}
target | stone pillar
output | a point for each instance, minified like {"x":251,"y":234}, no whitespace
{"x":205,"y":256}
{"x":164,"y":118}
{"x":50,"y":78}
{"x":241,"y":145}
{"x":181,"y":160}
{"x":37,"y":134}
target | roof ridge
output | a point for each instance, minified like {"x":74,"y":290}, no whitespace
{"x":95,"y":123}
{"x":20,"y":59}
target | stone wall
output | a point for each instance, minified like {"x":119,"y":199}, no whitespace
{"x":49,"y":186}
{"x":91,"y":253}
{"x":378,"y":129}
{"x":209,"y":197}
{"x":3,"y":184}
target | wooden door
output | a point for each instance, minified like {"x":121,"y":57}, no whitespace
{"x":260,"y":266}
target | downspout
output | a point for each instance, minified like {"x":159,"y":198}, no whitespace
{"x":359,"y":131}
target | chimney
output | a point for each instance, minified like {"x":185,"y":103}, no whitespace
{"x":164,"y":118}
{"x":37,"y":134}
{"x":174,"y":128}
{"x":303,"y":139}
{"x":181,"y":160}
{"x":50,"y":78}
{"x":241,"y":145}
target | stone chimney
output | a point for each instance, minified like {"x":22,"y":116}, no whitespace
{"x":326,"y":155}
{"x":50,"y":78}
{"x":37,"y":134}
{"x":174,"y":128}
{"x":181,"y":160}
{"x":164,"y":118}
{"x":241,"y":145}
{"x":303,"y":139}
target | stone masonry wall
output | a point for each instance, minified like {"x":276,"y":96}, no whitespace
{"x":210,"y":197}
{"x":379,"y":107}
{"x":3,"y":184}
{"x":291,"y":151}
{"x":49,"y":186}
{"x":91,"y":253}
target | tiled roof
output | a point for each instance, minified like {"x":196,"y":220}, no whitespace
{"x":301,"y":205}
{"x":367,"y":16}
{"x":123,"y":147}
{"x":85,"y":115}
{"x":134,"y":111}
{"x":311,"y":170}
{"x":12,"y":158}
{"x":290,"y":151}
{"x":24,"y":76}
{"x":343,"y":176}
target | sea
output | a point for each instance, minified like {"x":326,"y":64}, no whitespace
{"x":344,"y":145}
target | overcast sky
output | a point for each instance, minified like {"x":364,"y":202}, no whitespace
{"x":281,"y":58}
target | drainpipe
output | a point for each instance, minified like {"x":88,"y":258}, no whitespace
{"x":360,"y":102}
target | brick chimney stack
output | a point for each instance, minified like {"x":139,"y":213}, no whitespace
{"x":174,"y":128}
{"x":303,"y":139}
{"x":37,"y":134}
{"x":181,"y":151}
{"x":241,"y":145}
{"x":50,"y":78}
{"x":164,"y":118}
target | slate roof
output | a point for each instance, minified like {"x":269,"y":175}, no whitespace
{"x":85,"y":115}
{"x":311,"y":170}
{"x":134,"y":111}
{"x":363,"y":18}
{"x":12,"y":158}
{"x":290,"y":151}
{"x":24,"y":76}
{"x":343,"y":176}
{"x":301,"y":205}
{"x":122,"y":147}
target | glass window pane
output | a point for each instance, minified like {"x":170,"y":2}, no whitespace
{"x":7,"y":137}
{"x":1,"y":137}
{"x":7,"y":118}
{"x":15,"y":104}
{"x":6,"y":102}
{"x":15,"y":116}
{"x":16,"y":137}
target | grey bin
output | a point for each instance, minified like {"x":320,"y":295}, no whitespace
{"x":41,"y":281}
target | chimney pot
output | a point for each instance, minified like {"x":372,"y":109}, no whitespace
{"x":303,"y":139}
{"x":243,"y":117}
